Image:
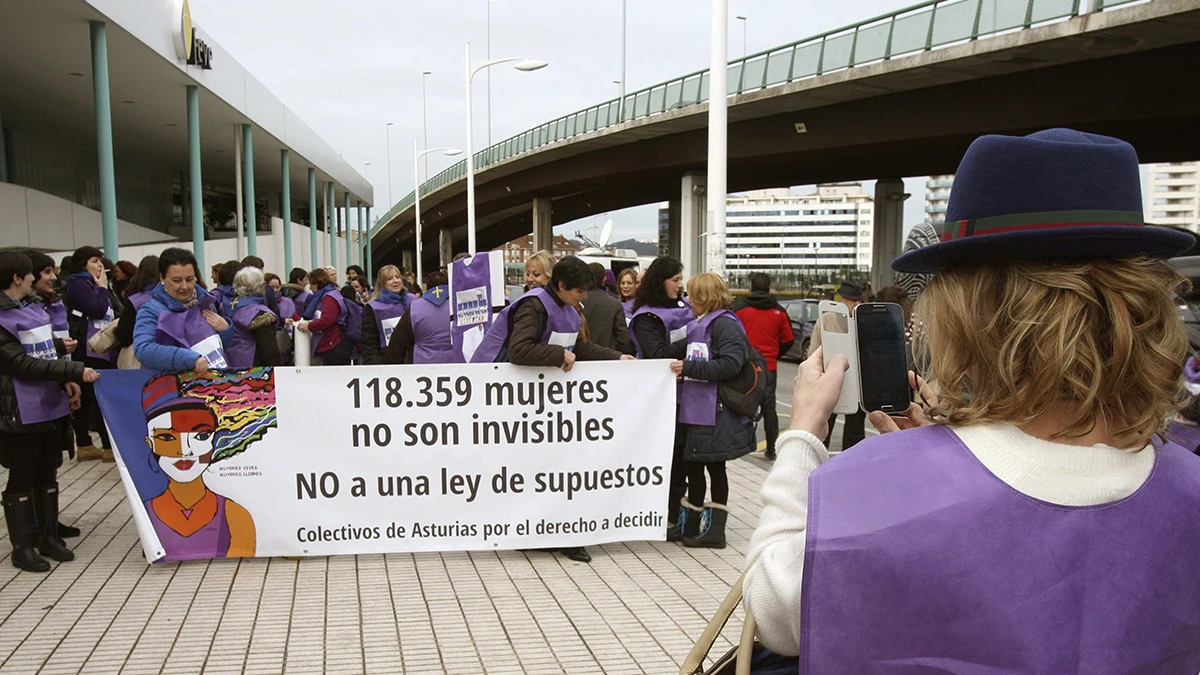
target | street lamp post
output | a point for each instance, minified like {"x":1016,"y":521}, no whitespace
{"x":424,"y":124}
{"x":417,"y":155}
{"x":744,"y":22}
{"x":523,"y":64}
{"x":621,"y":96}
{"x":718,"y":120}
{"x":387,"y":130}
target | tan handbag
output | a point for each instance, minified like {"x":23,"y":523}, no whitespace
{"x":737,"y":660}
{"x":105,"y":340}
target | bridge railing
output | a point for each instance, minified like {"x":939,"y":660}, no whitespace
{"x":923,"y":27}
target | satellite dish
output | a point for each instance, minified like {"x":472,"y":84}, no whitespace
{"x":605,"y":233}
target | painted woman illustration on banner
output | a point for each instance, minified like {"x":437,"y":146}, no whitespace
{"x":193,"y":422}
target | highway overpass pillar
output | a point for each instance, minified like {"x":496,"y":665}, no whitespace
{"x":674,"y":206}
{"x":445,"y":248}
{"x":543,"y":226}
{"x":889,"y":230}
{"x":693,"y":205}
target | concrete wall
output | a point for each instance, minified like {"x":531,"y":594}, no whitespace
{"x":48,"y":223}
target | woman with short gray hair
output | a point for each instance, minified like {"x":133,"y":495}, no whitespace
{"x":254,"y":324}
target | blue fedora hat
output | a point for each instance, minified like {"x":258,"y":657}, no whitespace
{"x":1058,"y":194}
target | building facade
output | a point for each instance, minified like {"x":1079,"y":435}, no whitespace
{"x":1174,"y":195}
{"x":777,"y":231}
{"x":518,"y":250}
{"x":937,"y":196}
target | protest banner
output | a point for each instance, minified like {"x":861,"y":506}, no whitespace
{"x":343,"y":460}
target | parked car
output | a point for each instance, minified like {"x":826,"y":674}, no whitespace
{"x":803,"y":314}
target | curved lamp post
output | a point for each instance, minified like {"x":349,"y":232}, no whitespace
{"x":523,"y":64}
{"x":417,"y":155}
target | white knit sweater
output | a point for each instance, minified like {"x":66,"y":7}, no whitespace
{"x":1070,"y":475}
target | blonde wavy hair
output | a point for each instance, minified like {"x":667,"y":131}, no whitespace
{"x":708,"y":292}
{"x":1006,"y":342}
{"x":385,"y":275}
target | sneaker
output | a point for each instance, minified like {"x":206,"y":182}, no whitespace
{"x":87,"y":453}
{"x":106,"y":456}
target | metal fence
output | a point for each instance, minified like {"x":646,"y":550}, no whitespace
{"x":929,"y":25}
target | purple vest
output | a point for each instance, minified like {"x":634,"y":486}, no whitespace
{"x":138,"y":299}
{"x":387,"y":315}
{"x":1184,"y":435}
{"x":698,"y":398}
{"x":37,"y":400}
{"x":562,"y":327}
{"x":919,"y":558}
{"x":189,"y":330}
{"x":210,"y":541}
{"x":58,"y":318}
{"x":241,"y":353}
{"x":287,"y":308}
{"x":431,"y":330}
{"x":628,"y":307}
{"x":470,"y":293}
{"x":675,"y":320}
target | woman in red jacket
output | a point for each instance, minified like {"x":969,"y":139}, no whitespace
{"x":324,"y":316}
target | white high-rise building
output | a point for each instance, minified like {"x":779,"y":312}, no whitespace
{"x":1174,"y":195}
{"x":937,"y":196}
{"x":777,"y":231}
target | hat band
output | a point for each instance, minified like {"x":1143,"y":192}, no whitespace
{"x":1041,"y":220}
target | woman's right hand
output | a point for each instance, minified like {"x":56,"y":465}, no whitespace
{"x":201,"y":365}
{"x":90,"y":375}
{"x":915,"y":416}
{"x":302,"y":326}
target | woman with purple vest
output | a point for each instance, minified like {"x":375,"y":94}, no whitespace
{"x":176,"y":328}
{"x":423,"y":334}
{"x":627,"y":285}
{"x":224,"y":290}
{"x":658,"y":329}
{"x":255,"y":342}
{"x":713,"y":435}
{"x":37,"y":390}
{"x":324,"y":317}
{"x":382,"y":314}
{"x":296,"y":290}
{"x":139,"y":290}
{"x":90,"y":309}
{"x":1026,"y":521}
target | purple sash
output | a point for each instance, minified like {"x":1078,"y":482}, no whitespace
{"x":95,"y":326}
{"x":210,"y":541}
{"x":387,"y":315}
{"x":698,"y":398}
{"x":241,"y":352}
{"x":287,"y":308}
{"x":138,"y":299}
{"x":675,"y":320}
{"x":628,"y":307}
{"x":431,"y":330}
{"x":37,"y":400}
{"x":189,"y":330}
{"x":58,"y":318}
{"x":470,"y":291}
{"x":919,"y":558}
{"x":562,"y":327}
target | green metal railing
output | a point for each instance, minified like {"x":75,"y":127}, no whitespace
{"x":923,"y":27}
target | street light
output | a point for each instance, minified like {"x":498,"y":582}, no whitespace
{"x":744,"y":22}
{"x":524,"y":65}
{"x":424,"y":122}
{"x":417,"y":155}
{"x":387,"y":129}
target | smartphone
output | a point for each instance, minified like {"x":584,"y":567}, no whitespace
{"x":883,"y":366}
{"x":837,"y":337}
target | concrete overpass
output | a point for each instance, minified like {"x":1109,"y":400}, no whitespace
{"x":898,"y":95}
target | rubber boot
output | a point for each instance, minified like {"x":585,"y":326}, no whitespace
{"x":67,"y":531}
{"x":45,"y":499}
{"x":712,"y":527}
{"x":17,"y":508}
{"x":687,"y":523}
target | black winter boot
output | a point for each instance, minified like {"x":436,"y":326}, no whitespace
{"x":712,"y":527}
{"x":17,"y":509}
{"x":577,"y":553}
{"x":45,"y":499}
{"x":687,"y":523}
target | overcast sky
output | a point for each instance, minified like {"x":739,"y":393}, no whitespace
{"x":349,"y":68}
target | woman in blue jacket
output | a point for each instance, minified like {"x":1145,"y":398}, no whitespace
{"x":177,"y":329}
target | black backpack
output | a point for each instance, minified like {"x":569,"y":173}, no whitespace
{"x":744,"y":392}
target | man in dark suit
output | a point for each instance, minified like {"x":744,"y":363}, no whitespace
{"x":605,"y":317}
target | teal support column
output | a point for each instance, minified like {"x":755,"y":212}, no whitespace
{"x":285,"y":208}
{"x":312,"y":217}
{"x":330,"y":222}
{"x":3,"y":154}
{"x":346,"y":229}
{"x":104,"y":140}
{"x":370,"y":247}
{"x":248,"y":188}
{"x":362,"y":239}
{"x":196,"y":201}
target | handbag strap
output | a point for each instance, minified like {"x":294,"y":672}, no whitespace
{"x":694,"y":663}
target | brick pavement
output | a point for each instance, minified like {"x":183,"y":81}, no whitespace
{"x":636,"y":609}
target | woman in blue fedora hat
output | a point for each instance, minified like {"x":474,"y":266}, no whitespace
{"x":1026,"y":520}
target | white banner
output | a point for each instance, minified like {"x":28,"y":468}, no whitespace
{"x":394,"y":458}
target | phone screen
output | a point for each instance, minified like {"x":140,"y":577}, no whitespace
{"x":881,"y":356}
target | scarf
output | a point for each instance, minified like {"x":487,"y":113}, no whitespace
{"x":314,"y":303}
{"x":389,"y":297}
